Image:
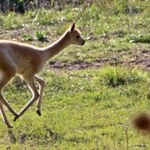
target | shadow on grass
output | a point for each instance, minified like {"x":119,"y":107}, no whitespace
{"x":11,"y":136}
{"x":51,"y":137}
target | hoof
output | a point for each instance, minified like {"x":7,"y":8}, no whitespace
{"x":16,"y":117}
{"x":38,"y":112}
{"x":9,"y":126}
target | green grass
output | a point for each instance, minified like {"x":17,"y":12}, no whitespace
{"x":89,"y":108}
{"x":140,"y":38}
{"x":81,"y":109}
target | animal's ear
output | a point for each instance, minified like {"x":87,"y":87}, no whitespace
{"x":72,"y":27}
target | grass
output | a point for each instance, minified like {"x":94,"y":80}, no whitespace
{"x":79,"y":111}
{"x":90,"y":108}
{"x":140,"y":38}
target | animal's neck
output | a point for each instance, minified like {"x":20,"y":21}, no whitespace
{"x":57,"y":46}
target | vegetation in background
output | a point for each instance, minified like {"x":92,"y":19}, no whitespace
{"x":41,"y":36}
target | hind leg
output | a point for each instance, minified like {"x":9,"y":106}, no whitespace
{"x":5,"y":102}
{"x":5,"y":77}
{"x":4,"y":116}
{"x":8,"y":70}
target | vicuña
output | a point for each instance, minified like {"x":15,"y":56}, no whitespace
{"x":26,"y":61}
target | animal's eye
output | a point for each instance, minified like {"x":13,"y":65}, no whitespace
{"x":78,"y":36}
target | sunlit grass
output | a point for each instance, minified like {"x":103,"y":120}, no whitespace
{"x":80,"y":108}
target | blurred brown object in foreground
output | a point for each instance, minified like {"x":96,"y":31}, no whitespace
{"x":142,"y":122}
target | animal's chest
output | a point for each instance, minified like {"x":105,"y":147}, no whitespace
{"x":24,"y":65}
{"x":29,"y":65}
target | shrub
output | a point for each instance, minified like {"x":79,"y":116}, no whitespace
{"x":118,"y":76}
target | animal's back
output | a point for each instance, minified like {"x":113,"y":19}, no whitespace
{"x":24,"y":57}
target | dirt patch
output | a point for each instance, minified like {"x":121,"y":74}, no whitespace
{"x":136,"y":58}
{"x":140,"y":59}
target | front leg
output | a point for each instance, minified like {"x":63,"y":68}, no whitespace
{"x":16,"y":117}
{"x":41,"y":89}
{"x":35,"y":96}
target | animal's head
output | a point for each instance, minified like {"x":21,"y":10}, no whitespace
{"x":75,"y":35}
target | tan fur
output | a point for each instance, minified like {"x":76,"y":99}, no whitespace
{"x":26,"y":61}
